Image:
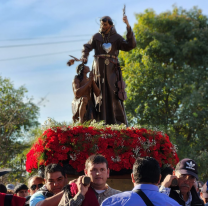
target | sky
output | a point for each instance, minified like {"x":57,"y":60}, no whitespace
{"x":52,"y":30}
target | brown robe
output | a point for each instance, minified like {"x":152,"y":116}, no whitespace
{"x":108,"y":107}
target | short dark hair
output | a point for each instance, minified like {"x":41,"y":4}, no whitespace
{"x":146,"y":170}
{"x":96,"y":159}
{"x":51,"y":168}
{"x":3,"y":188}
{"x":20,"y":187}
{"x":107,"y":19}
{"x":166,"y":171}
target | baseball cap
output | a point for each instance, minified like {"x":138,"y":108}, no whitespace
{"x":204,"y":190}
{"x":187,"y":167}
{"x":10,"y":187}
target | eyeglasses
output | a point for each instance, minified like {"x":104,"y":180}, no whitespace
{"x":190,"y":178}
{"x":33,"y":187}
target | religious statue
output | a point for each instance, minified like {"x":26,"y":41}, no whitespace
{"x":107,"y":72}
{"x":82,"y":105}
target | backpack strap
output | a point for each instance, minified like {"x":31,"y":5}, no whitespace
{"x":144,"y":197}
{"x":8,"y":200}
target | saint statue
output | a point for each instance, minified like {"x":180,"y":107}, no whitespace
{"x":107,"y":75}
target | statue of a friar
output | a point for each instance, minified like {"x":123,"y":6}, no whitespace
{"x":106,"y":70}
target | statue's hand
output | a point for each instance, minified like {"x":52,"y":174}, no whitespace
{"x":84,"y":60}
{"x":70,"y":62}
{"x":125,"y":20}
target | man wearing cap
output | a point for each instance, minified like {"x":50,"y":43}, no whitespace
{"x":204,"y":193}
{"x":186,"y":173}
{"x":21,"y":190}
{"x":10,"y":187}
{"x":106,"y":70}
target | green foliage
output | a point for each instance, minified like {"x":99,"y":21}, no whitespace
{"x":166,"y":77}
{"x":18,"y":114}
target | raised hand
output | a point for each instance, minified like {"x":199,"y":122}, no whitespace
{"x":125,"y":20}
{"x":81,"y":188}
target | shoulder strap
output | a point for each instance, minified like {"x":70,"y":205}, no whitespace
{"x":144,"y":197}
{"x":8,"y":200}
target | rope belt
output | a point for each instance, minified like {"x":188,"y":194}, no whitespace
{"x":106,"y":55}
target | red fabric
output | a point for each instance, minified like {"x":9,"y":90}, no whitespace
{"x":90,"y":198}
{"x":16,"y":201}
{"x":2,"y":196}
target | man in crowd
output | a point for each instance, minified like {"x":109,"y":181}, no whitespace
{"x":204,"y":194}
{"x":21,"y":190}
{"x":51,"y":192}
{"x":184,"y":193}
{"x":3,"y":188}
{"x":34,"y":183}
{"x":96,"y":167}
{"x":10,"y":188}
{"x":145,"y":177}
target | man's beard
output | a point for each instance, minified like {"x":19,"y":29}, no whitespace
{"x":106,"y":31}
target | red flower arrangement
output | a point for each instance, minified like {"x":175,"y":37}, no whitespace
{"x":120,"y":147}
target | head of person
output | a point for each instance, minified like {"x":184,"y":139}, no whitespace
{"x":146,"y":170}
{"x":96,"y":167}
{"x":10,"y":187}
{"x":55,"y":178}
{"x":35,"y":183}
{"x":164,"y":172}
{"x":11,"y":192}
{"x":106,"y":24}
{"x":21,"y":190}
{"x":187,"y":173}
{"x":3,"y":188}
{"x":81,"y":69}
{"x":204,"y":192}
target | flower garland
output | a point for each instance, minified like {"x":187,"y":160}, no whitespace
{"x":120,"y":146}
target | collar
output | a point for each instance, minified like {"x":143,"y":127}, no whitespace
{"x":188,"y":202}
{"x":146,"y":187}
{"x":107,"y":190}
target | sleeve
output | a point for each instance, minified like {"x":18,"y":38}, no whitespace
{"x":75,"y":201}
{"x":87,"y":48}
{"x":129,"y":43}
{"x":37,"y":197}
{"x":165,"y":190}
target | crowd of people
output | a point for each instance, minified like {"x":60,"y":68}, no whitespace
{"x":150,"y":186}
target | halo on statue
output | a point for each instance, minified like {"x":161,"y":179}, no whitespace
{"x":97,"y":20}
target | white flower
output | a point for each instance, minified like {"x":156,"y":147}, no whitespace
{"x":116,"y":159}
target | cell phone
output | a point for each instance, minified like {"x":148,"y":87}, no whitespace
{"x":174,"y":182}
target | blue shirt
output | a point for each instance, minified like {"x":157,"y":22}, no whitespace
{"x":131,"y":198}
{"x":37,"y":197}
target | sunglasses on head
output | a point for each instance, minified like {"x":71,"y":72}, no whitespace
{"x":107,"y":20}
{"x":33,"y":187}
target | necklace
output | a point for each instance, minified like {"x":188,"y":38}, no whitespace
{"x":106,"y":45}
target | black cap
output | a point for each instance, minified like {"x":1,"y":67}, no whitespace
{"x":20,"y":187}
{"x":187,"y":167}
{"x":204,"y":190}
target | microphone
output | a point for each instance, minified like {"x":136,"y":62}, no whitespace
{"x":86,"y":180}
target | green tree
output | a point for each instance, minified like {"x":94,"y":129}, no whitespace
{"x":18,"y":114}
{"x":167,"y":79}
